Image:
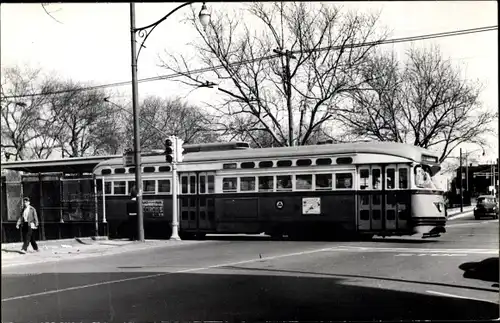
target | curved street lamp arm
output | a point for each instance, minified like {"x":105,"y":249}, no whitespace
{"x":143,"y":32}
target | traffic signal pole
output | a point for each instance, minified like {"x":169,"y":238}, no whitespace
{"x":175,"y":186}
{"x":175,"y":208}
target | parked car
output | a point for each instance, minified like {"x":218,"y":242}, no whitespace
{"x":487,"y":205}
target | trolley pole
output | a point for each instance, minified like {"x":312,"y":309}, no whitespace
{"x":175,"y":209}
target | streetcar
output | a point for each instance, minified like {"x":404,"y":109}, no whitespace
{"x":358,"y":189}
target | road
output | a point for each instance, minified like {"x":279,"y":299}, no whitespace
{"x":255,"y":278}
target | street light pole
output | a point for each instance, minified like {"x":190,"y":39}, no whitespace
{"x":137,"y":138}
{"x":144,"y":33}
{"x":461,"y":185}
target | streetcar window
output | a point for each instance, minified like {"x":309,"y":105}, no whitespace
{"x":391,"y":178}
{"x":211,"y":180}
{"x":130,"y":184}
{"x":284,"y":163}
{"x":119,"y":170}
{"x":131,"y":170}
{"x":247,"y":184}
{"x":423,"y":177}
{"x":364,"y":175}
{"x":403,"y":178}
{"x":323,"y":161}
{"x":184,"y":185}
{"x":303,"y":182}
{"x":265,"y":164}
{"x":303,"y":162}
{"x":202,"y":184}
{"x":284,"y":182}
{"x":161,"y":169}
{"x":229,"y":184}
{"x":376,"y":179}
{"x":266,"y":183}
{"x":391,"y":215}
{"x":343,"y":180}
{"x":149,"y":169}
{"x":107,"y":187}
{"x":247,"y":165}
{"x":106,"y":171}
{"x":119,"y":187}
{"x":192,"y":184}
{"x":149,"y":186}
{"x":323,"y":181}
{"x":344,"y":160}
{"x":229,"y":166}
{"x":164,"y":186}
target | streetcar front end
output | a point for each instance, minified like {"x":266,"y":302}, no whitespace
{"x":428,"y":214}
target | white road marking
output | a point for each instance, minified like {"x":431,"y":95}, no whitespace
{"x":458,"y":296}
{"x":433,"y":255}
{"x":422,"y":250}
{"x":174,"y":272}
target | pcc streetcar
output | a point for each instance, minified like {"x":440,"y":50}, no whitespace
{"x":331,"y":190}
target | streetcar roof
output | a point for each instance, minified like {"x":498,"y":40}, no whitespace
{"x":407,"y":151}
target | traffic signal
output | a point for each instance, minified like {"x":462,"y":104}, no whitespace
{"x":179,"y":151}
{"x":169,"y":150}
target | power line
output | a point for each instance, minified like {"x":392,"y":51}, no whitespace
{"x":207,"y":69}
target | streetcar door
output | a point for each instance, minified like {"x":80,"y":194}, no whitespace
{"x":390,"y":200}
{"x":206,"y":190}
{"x":403,"y":198}
{"x":188,"y":201}
{"x":370,"y":198}
{"x":376,"y":205}
{"x":364,"y":210}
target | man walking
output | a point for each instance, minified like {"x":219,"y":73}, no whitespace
{"x":28,"y":219}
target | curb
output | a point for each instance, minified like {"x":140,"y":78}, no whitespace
{"x":55,"y":242}
{"x":460,"y":215}
{"x":108,"y":252}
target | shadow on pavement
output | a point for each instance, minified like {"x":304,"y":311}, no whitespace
{"x":232,"y":297}
{"x":402,"y":240}
{"x":373,"y":278}
{"x":487,"y":270}
{"x":229,"y":237}
{"x":12,"y":251}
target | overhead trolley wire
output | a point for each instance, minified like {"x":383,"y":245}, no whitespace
{"x":207,"y":69}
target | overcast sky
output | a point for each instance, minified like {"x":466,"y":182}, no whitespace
{"x":91,"y":42}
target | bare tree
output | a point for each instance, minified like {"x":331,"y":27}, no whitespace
{"x":426,"y":103}
{"x":23,"y":126}
{"x":317,"y":62}
{"x":85,"y":123}
{"x":160,"y":117}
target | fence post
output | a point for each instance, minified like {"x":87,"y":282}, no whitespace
{"x":42,"y":221}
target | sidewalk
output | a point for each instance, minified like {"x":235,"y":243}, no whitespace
{"x":77,"y":248}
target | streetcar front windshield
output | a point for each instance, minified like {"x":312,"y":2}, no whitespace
{"x":424,"y":178}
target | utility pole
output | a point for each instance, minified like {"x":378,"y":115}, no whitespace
{"x":287,"y":85}
{"x":467,"y":172}
{"x":461,"y":185}
{"x":137,"y":140}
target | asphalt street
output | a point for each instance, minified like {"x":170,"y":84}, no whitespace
{"x":255,"y":278}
